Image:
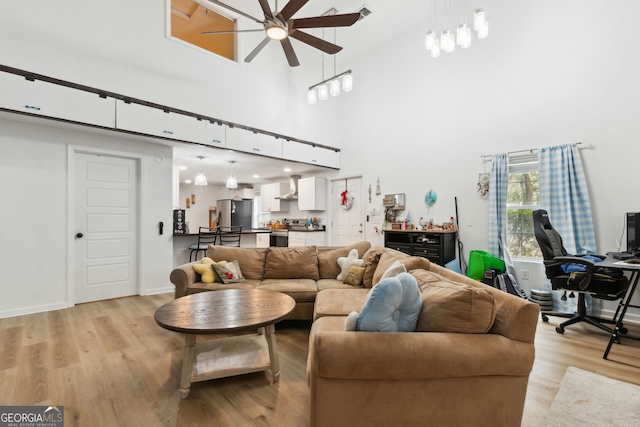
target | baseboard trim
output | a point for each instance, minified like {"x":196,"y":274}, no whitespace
{"x":156,"y":291}
{"x":32,"y":310}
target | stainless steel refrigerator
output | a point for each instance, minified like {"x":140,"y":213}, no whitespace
{"x":235,"y":212}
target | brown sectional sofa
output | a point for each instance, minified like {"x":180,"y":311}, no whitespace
{"x":469,"y":363}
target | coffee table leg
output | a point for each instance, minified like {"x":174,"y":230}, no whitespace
{"x":187,"y":365}
{"x":270,"y":335}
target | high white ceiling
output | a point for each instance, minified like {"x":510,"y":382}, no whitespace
{"x":216,"y":162}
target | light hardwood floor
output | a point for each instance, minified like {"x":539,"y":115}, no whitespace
{"x":109,"y":364}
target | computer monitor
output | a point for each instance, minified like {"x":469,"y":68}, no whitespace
{"x":633,"y":230}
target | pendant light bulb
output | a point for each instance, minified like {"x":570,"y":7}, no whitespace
{"x":334,"y":87}
{"x":430,"y":40}
{"x":478,"y":19}
{"x":347,"y":83}
{"x":231,"y":183}
{"x":312,"y":97}
{"x":435,"y":50}
{"x":200,"y":180}
{"x":323,"y":92}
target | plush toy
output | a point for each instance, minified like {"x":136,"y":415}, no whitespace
{"x":346,"y":262}
{"x":205,"y":270}
{"x":393,"y":305}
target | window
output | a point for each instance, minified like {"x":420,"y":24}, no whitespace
{"x":523,"y":197}
{"x":189,"y":20}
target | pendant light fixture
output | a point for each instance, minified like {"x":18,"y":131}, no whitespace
{"x":333,"y":85}
{"x":448,"y":40}
{"x":232,"y":183}
{"x":201,"y":180}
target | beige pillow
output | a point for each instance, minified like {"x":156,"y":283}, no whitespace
{"x":388,"y":258}
{"x":453,"y":307}
{"x":251,"y":260}
{"x":371,"y":258}
{"x":328,"y":259}
{"x":229,"y":272}
{"x":354,"y":276}
{"x":292,"y":263}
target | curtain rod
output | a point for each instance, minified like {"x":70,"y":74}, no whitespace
{"x":530,"y":150}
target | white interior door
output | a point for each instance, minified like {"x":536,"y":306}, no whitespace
{"x":347,"y":223}
{"x":106,"y":247}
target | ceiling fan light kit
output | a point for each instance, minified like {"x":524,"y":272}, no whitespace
{"x":447,"y":42}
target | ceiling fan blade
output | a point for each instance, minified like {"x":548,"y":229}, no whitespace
{"x":207,"y":5}
{"x":289,"y":52}
{"x":257,"y":50}
{"x":344,"y":20}
{"x":264,"y":4}
{"x":316,"y":42}
{"x":231,"y":32}
{"x":291,"y":8}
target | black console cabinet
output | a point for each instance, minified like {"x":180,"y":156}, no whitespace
{"x":437,"y":246}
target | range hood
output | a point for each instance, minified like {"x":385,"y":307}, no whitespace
{"x":293,"y":189}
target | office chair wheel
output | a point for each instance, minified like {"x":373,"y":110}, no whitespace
{"x":624,"y":330}
{"x":560,"y":329}
{"x":545,"y":318}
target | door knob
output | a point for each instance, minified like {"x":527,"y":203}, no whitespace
{"x":79,"y":236}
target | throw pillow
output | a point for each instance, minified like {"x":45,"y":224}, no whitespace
{"x":205,"y":271}
{"x":354,"y":276}
{"x":346,"y":262}
{"x":229,"y":272}
{"x":393,"y":305}
{"x":327,"y":258}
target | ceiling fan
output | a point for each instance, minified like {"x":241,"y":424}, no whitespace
{"x":280,"y":26}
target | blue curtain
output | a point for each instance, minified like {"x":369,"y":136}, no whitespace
{"x":498,"y":183}
{"x":564,"y":195}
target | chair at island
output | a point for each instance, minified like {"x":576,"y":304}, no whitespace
{"x":230,"y":236}
{"x":206,"y":236}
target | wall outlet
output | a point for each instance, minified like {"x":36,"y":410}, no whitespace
{"x":525,"y":274}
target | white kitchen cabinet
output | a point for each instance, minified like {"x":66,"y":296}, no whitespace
{"x":306,"y":238}
{"x":262,"y":240}
{"x":255,"y":143}
{"x":153,"y":121}
{"x":216,"y":135}
{"x":55,"y":101}
{"x":312,"y":194}
{"x":298,"y":152}
{"x":268,"y":194}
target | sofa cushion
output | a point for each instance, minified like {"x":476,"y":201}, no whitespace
{"x":229,"y":272}
{"x":301,"y":290}
{"x":332,"y":284}
{"x":388,"y":258}
{"x":217,"y":286}
{"x":339,"y":302}
{"x":291,"y":263}
{"x":328,"y":258}
{"x":371,"y":259}
{"x":345,"y":263}
{"x":393,"y":305}
{"x":449,"y":306}
{"x":251,"y":260}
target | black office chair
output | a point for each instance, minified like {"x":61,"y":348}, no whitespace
{"x":206,"y":236}
{"x":599,"y":282}
{"x":230,"y":236}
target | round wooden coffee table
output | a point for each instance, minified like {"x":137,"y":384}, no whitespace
{"x":225,"y":311}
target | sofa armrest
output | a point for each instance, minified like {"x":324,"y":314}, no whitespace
{"x":415,"y":355}
{"x":183,"y":277}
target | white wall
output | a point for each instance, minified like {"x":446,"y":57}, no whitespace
{"x":34,"y":233}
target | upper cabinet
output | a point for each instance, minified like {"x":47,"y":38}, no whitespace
{"x":153,"y":121}
{"x":309,"y":154}
{"x":256,"y":143}
{"x":312,"y":194}
{"x":216,"y":135}
{"x":268,"y":194}
{"x":55,"y":101}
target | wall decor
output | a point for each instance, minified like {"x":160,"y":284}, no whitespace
{"x":483,"y":184}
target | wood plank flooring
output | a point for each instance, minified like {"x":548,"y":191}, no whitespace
{"x":109,"y":364}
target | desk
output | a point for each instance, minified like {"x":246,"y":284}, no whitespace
{"x":619,"y":331}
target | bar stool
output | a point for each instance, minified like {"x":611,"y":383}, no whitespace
{"x":206,"y":236}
